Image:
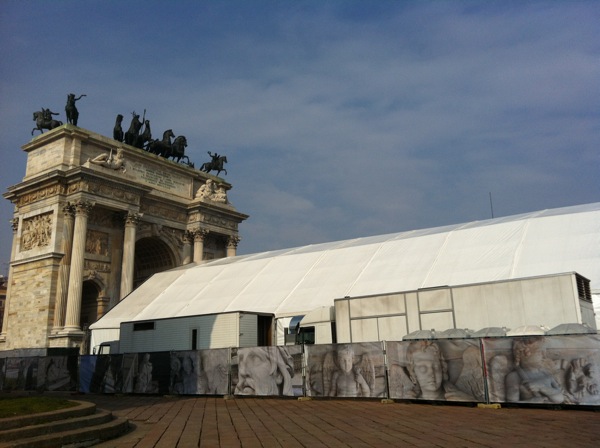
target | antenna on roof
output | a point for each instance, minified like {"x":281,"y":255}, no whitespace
{"x":491,"y":205}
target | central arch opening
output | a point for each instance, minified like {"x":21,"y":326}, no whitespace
{"x":151,"y":256}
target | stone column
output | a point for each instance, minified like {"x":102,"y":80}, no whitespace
{"x":232,"y":243}
{"x":187,"y":247}
{"x":199,"y":236}
{"x":15,"y":227}
{"x":131,"y":221}
{"x":102,"y":306}
{"x":82,"y":212}
{"x":65,"y":268}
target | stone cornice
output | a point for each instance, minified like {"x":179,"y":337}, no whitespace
{"x":217,"y":209}
{"x":66,"y":130}
{"x":26,"y":260}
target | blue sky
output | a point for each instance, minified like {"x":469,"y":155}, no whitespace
{"x":339,"y":119}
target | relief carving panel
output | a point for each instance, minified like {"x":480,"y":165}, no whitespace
{"x":96,"y":243}
{"x":37,"y":231}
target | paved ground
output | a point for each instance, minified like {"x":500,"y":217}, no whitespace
{"x":253,"y":422}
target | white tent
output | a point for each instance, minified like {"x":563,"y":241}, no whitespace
{"x":295,"y":281}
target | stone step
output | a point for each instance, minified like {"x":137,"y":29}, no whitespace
{"x":66,"y":424}
{"x":82,"y":409}
{"x":80,"y":437}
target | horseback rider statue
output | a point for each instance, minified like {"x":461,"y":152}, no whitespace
{"x":216,"y":163}
{"x":43,"y":120}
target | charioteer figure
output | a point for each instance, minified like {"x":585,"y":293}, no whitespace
{"x":71,"y":110}
{"x":134,"y":129}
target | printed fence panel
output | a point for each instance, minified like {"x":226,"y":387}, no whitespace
{"x":216,"y":367}
{"x":100,"y":374}
{"x":57,"y":373}
{"x":204,"y":372}
{"x":444,"y":369}
{"x":346,"y":370}
{"x":146,"y":373}
{"x":267,"y":371}
{"x":544,"y":369}
{"x":20,"y":373}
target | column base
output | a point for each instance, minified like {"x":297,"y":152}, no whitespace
{"x":71,"y":331}
{"x":67,"y":340}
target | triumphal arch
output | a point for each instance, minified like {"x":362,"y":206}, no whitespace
{"x":95,"y":217}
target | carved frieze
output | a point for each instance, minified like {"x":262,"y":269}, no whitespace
{"x":154,"y":209}
{"x":97,"y":266}
{"x":37,"y":231}
{"x":113,"y":191}
{"x":219,"y":221}
{"x":195,"y":217}
{"x":41,"y":194}
{"x":77,"y":186}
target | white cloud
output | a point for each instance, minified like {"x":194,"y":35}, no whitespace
{"x":339,"y":119}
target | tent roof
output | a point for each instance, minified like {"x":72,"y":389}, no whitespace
{"x":295,"y":281}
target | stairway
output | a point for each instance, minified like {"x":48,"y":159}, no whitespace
{"x":80,"y":426}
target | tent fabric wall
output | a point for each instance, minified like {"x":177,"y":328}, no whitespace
{"x":295,"y":281}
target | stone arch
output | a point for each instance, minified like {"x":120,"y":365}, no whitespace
{"x":90,"y":303}
{"x":152,"y":255}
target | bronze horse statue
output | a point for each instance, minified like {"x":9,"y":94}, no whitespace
{"x":118,"y":129}
{"x":216,"y":164}
{"x":43,"y":120}
{"x":161,"y":147}
{"x":177,"y":151}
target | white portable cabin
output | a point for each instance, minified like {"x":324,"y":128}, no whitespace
{"x":225,"y":330}
{"x":293,"y":282}
{"x":544,"y":300}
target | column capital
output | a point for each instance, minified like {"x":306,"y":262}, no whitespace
{"x":232,"y":242}
{"x":69,"y":209}
{"x":187,"y":237}
{"x":200,"y":234}
{"x":132,"y":218}
{"x":83,"y":208}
